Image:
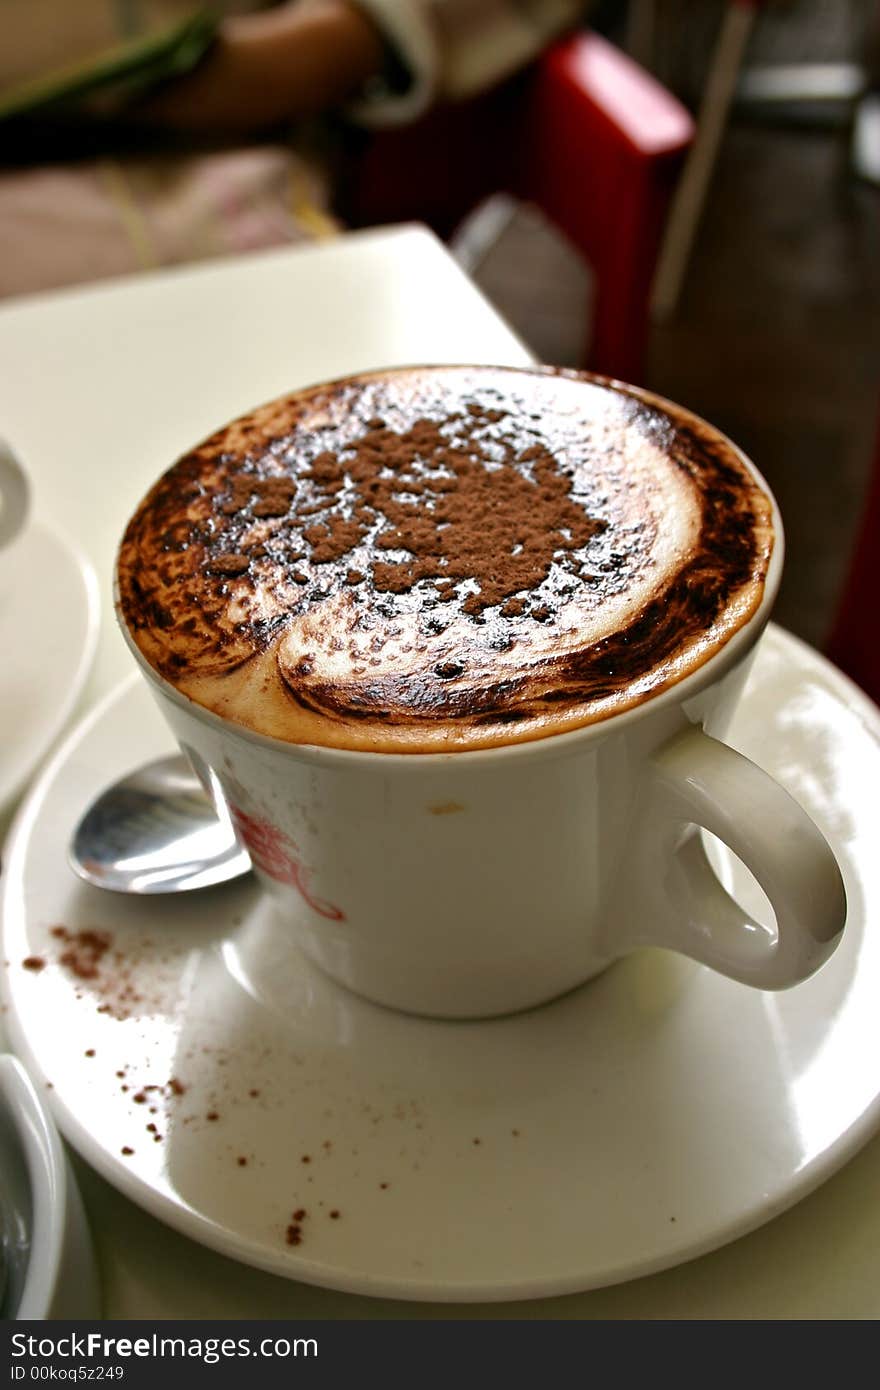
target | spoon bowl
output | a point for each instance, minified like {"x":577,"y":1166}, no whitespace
{"x":156,"y":831}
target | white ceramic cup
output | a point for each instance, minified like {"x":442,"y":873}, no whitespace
{"x":477,"y":883}
{"x":14,"y":495}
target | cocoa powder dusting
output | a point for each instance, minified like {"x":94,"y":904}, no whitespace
{"x":121,"y":979}
{"x":392,"y":537}
{"x":461,"y":503}
{"x":293,"y":1234}
{"x":83,"y":951}
{"x":455,"y":513}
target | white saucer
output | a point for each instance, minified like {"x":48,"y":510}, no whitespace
{"x":649,"y":1117}
{"x":48,"y":633}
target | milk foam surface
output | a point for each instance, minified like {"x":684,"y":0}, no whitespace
{"x":444,"y":558}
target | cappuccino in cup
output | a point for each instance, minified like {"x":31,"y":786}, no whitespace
{"x":456,"y":647}
{"x":444,"y":559}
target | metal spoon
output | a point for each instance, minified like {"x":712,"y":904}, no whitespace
{"x":156,"y":831}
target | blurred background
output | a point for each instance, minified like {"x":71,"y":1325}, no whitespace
{"x":774,"y":334}
{"x":761,"y":119}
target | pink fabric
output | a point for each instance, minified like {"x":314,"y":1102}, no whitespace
{"x":68,"y":224}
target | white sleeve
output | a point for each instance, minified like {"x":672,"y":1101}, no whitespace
{"x":409,"y":32}
{"x":453,"y":49}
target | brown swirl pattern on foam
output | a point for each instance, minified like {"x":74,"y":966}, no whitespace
{"x":444,"y":557}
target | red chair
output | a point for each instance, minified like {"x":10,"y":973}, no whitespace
{"x":854,"y":641}
{"x":587,"y":136}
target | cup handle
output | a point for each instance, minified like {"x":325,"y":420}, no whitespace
{"x":15,"y":495}
{"x":698,"y":781}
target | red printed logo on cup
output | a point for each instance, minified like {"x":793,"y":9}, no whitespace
{"x":275,"y":853}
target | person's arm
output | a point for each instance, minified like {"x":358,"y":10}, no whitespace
{"x":264,"y":69}
{"x":304,"y":57}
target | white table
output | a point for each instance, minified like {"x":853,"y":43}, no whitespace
{"x":99,"y":389}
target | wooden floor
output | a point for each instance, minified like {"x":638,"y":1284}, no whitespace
{"x":776,"y":338}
